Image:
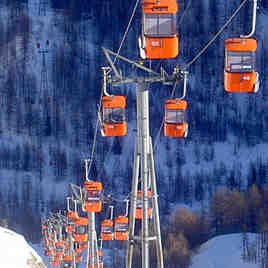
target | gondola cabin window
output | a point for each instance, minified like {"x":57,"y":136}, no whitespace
{"x":93,"y":195}
{"x":240,"y":61}
{"x":175,"y":116}
{"x":160,"y":24}
{"x":114,"y":115}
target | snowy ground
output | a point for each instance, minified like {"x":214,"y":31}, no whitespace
{"x":223,"y":251}
{"x":16,"y":253}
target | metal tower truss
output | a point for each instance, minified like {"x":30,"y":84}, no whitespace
{"x":143,"y":168}
{"x":92,"y":260}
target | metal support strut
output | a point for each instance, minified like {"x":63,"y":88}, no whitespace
{"x":143,"y":165}
{"x":253,"y":20}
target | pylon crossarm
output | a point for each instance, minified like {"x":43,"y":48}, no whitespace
{"x":108,"y":51}
{"x":76,"y":192}
{"x":149,"y":238}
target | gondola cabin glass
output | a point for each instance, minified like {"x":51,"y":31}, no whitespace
{"x":175,"y":118}
{"x":107,"y":232}
{"x":159,"y":37}
{"x":121,"y":228}
{"x":139,"y":205}
{"x":114,"y":115}
{"x":66,"y":264}
{"x":81,"y":229}
{"x":92,"y":190}
{"x":240,"y":65}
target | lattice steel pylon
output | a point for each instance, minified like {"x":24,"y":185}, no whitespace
{"x":44,"y":78}
{"x":43,"y":92}
{"x":143,"y":167}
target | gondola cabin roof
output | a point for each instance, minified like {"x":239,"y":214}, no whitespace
{"x":176,"y":104}
{"x":164,"y":6}
{"x":240,"y":44}
{"x":107,"y":222}
{"x":113,"y":101}
{"x":121,"y":219}
{"x":67,"y":258}
{"x":92,"y":185}
{"x":81,"y":221}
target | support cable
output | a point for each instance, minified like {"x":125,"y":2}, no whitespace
{"x":215,"y":37}
{"x":184,"y":12}
{"x":126,"y":31}
{"x":95,"y":133}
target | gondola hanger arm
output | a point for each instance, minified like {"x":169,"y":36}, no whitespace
{"x":255,"y":5}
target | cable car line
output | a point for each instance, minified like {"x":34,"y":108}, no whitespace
{"x":184,"y":12}
{"x":127,"y":29}
{"x":216,"y":35}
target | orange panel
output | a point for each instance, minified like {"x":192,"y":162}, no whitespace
{"x":54,"y":262}
{"x":109,"y":234}
{"x":114,"y":101}
{"x":164,"y":6}
{"x":241,"y":44}
{"x":92,"y":185}
{"x":176,"y":104}
{"x":93,"y":206}
{"x":240,"y":82}
{"x":69,"y":228}
{"x":81,"y":221}
{"x":161,"y":47}
{"x":121,"y":235}
{"x":139,"y":210}
{"x":139,"y":213}
{"x":175,"y":130}
{"x":67,"y":258}
{"x":72,"y":215}
{"x":80,"y":237}
{"x":115,"y":129}
{"x":61,"y":243}
{"x":83,"y":245}
{"x":78,"y":258}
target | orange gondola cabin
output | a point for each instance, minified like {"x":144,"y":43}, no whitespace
{"x":92,"y":190}
{"x":175,"y":118}
{"x":114,"y":115}
{"x":81,"y":229}
{"x":159,"y":37}
{"x":121,"y":228}
{"x":240,"y":74}
{"x":139,"y":205}
{"x":107,"y":232}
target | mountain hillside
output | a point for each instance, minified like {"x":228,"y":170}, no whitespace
{"x":50,"y":85}
{"x":15,"y":251}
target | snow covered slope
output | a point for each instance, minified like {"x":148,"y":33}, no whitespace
{"x":16,"y":253}
{"x":223,"y":251}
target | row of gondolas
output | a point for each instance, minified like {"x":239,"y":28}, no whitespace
{"x":159,"y":40}
{"x":65,"y":234}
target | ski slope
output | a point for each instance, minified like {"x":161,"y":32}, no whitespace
{"x":16,"y":253}
{"x":224,"y":251}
